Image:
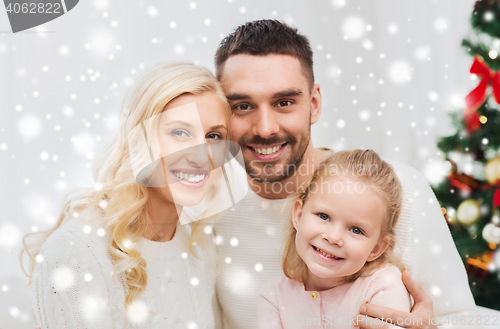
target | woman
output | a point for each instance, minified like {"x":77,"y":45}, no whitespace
{"x":119,"y":257}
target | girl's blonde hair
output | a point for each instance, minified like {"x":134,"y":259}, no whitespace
{"x":125,"y":216}
{"x":363,"y":166}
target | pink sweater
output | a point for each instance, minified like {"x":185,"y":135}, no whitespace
{"x":283,"y":303}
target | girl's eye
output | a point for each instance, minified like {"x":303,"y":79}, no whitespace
{"x":180,"y":133}
{"x":242,"y":107}
{"x":284,"y":103}
{"x":356,"y":230}
{"x":323,"y":216}
{"x":214,"y":136}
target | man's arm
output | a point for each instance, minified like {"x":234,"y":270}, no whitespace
{"x":429,"y":253}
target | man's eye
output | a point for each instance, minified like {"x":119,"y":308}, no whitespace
{"x":214,"y":136}
{"x":284,"y":103}
{"x":242,"y":107}
{"x":356,"y":230}
{"x":323,"y":216}
{"x":179,"y":133}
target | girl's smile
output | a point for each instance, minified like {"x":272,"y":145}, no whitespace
{"x":326,"y":255}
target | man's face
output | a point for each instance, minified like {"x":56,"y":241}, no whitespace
{"x":271,"y":117}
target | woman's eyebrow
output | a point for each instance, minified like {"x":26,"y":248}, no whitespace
{"x":185,"y":123}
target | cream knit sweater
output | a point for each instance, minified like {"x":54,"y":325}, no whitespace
{"x":74,"y":287}
{"x":249,"y":243}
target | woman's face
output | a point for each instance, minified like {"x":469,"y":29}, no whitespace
{"x":191,"y":130}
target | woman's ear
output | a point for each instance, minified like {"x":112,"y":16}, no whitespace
{"x":297,"y":213}
{"x":379,"y":248}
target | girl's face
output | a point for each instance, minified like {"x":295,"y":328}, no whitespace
{"x":338,"y":230}
{"x":191,"y":130}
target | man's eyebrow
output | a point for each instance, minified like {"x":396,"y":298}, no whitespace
{"x":237,"y":97}
{"x":218,"y":127}
{"x":288,"y":93}
{"x":285,"y":93}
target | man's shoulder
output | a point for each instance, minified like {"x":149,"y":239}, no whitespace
{"x":402,"y":168}
{"x":409,"y":176}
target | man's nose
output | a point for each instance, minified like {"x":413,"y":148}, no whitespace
{"x":266,"y":123}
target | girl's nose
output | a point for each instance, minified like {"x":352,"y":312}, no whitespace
{"x":334,"y":235}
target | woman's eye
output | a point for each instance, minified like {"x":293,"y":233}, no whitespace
{"x":284,"y":103}
{"x":214,"y":136}
{"x":180,"y":133}
{"x":356,"y":230}
{"x":323,"y":216}
{"x":242,"y":107}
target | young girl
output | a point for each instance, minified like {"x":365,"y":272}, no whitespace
{"x":118,"y":257}
{"x":339,"y":247}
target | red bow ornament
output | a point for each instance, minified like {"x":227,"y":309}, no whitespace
{"x":478,"y":96}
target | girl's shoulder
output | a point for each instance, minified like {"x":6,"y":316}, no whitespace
{"x":379,"y":279}
{"x":384,"y":272}
{"x":281,"y":284}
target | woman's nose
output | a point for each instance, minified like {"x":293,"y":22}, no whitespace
{"x":198,"y":155}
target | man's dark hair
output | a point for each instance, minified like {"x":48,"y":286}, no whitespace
{"x":264,"y":37}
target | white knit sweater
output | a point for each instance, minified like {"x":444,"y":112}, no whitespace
{"x":250,"y":246}
{"x":74,"y":287}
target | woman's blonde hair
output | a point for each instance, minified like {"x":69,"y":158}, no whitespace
{"x":363,"y":166}
{"x":125,"y":216}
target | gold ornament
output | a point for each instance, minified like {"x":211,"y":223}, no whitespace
{"x":451,"y":216}
{"x":492,"y":170}
{"x":468,"y":212}
{"x":491,"y":233}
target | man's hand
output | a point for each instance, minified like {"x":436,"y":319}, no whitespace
{"x":421,"y":316}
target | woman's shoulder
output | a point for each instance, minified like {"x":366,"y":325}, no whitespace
{"x":77,"y":238}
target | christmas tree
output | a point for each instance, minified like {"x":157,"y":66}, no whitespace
{"x":470,"y":194}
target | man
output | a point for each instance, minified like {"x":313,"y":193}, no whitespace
{"x":266,"y":70}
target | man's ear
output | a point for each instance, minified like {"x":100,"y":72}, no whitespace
{"x":297,"y":213}
{"x":379,"y":248}
{"x":315,"y":103}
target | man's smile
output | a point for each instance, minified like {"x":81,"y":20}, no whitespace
{"x":266,"y":149}
{"x":268,"y":153}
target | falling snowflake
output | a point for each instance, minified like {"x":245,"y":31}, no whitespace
{"x":440,"y":24}
{"x":353,"y":27}
{"x":10,"y":235}
{"x":152,"y":11}
{"x":400,"y":72}
{"x":29,"y":126}
{"x":62,"y":278}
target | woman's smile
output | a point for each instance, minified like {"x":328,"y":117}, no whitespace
{"x":192,"y":178}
